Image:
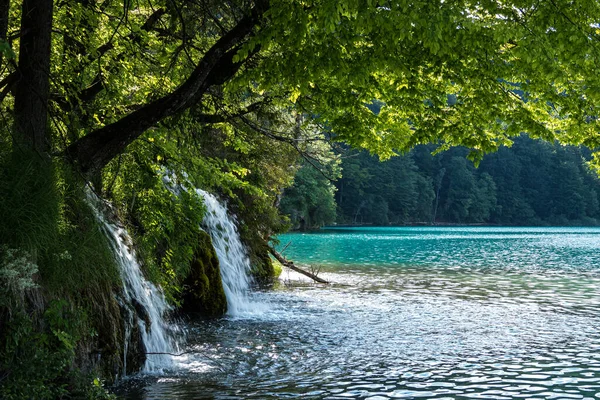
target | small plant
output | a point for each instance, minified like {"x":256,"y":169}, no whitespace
{"x":37,"y":354}
{"x":16,"y":275}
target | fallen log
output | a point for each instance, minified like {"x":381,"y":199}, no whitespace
{"x":291,"y":266}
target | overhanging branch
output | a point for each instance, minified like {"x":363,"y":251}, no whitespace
{"x":94,"y":151}
{"x":90,"y":92}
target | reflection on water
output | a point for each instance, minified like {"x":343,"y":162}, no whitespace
{"x":490,"y":313}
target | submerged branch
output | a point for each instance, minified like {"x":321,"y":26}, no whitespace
{"x":291,"y":266}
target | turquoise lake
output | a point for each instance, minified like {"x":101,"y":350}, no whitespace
{"x":423,"y":312}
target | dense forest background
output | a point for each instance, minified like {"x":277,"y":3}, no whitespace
{"x":530,"y":183}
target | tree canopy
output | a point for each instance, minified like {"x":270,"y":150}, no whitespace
{"x":380,"y":75}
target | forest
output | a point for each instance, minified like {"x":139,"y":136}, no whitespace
{"x":140,"y":103}
{"x":532,"y":183}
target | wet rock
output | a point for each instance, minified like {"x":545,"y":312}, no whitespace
{"x":262,"y":270}
{"x":141,"y":313}
{"x":136,"y":351}
{"x":116,"y":332}
{"x":203,"y":289}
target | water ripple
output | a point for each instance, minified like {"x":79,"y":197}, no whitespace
{"x":474,"y":313}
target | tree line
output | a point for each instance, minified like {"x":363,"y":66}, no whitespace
{"x":530,"y":183}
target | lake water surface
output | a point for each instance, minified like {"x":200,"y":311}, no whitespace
{"x":445,"y":313}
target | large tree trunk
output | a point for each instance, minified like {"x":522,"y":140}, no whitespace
{"x":4,"y":9}
{"x":32,"y":90}
{"x":95,"y":150}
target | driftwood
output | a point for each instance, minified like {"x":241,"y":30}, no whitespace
{"x":291,"y":266}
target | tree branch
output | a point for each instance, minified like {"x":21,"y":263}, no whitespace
{"x":94,"y":151}
{"x":89,"y":93}
{"x":133,"y":37}
{"x":291,"y":266}
{"x":7,"y":85}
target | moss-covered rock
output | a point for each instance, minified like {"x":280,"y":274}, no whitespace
{"x":116,"y":348}
{"x":203,"y":289}
{"x":263,"y":270}
{"x":105,"y":350}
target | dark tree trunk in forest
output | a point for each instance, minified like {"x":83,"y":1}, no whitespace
{"x":4,"y":8}
{"x":32,"y":90}
{"x":95,"y":150}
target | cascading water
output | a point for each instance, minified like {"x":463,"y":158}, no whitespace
{"x":139,"y":295}
{"x":233,"y":258}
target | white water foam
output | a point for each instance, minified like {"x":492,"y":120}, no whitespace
{"x":138,"y":292}
{"x":233,"y":259}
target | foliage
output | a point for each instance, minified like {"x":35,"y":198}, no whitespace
{"x":532,"y":183}
{"x":229,"y":96}
{"x":455,"y":73}
{"x":50,"y":248}
{"x":449,"y":73}
{"x":36,"y":362}
{"x":154,"y":187}
{"x":250,"y":172}
{"x":164,"y":217}
{"x":309,"y":201}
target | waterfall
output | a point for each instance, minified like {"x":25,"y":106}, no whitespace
{"x":140,"y":296}
{"x":233,"y":258}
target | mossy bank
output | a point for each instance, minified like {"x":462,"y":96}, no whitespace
{"x":62,"y":326}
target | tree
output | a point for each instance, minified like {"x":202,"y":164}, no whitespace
{"x":33,"y":88}
{"x":567,"y":199}
{"x":531,"y":183}
{"x":425,"y":200}
{"x":483,"y":199}
{"x":400,"y":188}
{"x":461,"y":186}
{"x":508,"y":67}
{"x":506,"y":169}
{"x":310,"y":200}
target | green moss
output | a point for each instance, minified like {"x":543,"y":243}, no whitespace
{"x":203,"y":289}
{"x":262,"y":270}
{"x":277,"y":268}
